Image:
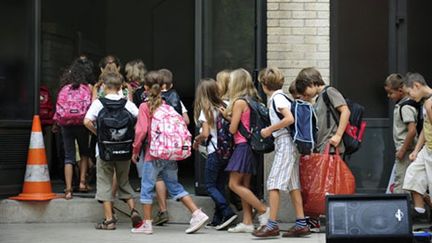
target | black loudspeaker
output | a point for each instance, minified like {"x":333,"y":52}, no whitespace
{"x":368,"y":218}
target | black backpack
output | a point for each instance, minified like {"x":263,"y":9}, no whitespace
{"x":304,"y":129}
{"x":172,"y":98}
{"x":419,"y":107}
{"x":115,"y":130}
{"x":259,"y":119}
{"x":355,"y":129}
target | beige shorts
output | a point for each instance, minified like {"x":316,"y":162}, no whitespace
{"x":418,"y":176}
{"x":104,"y":179}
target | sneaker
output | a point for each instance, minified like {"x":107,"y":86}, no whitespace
{"x":198,"y":220}
{"x":297,"y":231}
{"x":144,"y":228}
{"x":135,"y":218}
{"x":263,"y":218}
{"x":242,"y":228}
{"x":161,"y":218}
{"x":314,"y":224}
{"x":226,"y":221}
{"x":264,"y":232}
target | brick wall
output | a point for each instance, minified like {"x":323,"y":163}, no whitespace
{"x":298,"y":36}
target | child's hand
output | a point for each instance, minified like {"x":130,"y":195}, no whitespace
{"x":413,"y":155}
{"x":224,"y":113}
{"x":335,"y":140}
{"x":400,"y":154}
{"x":265,"y":132}
{"x":135,"y":158}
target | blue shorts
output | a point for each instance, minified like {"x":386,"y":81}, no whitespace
{"x":168,"y":170}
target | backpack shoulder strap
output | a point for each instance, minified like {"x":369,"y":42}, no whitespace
{"x":330,"y":108}
{"x":274,"y":105}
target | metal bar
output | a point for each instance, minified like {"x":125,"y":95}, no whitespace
{"x":37,"y":52}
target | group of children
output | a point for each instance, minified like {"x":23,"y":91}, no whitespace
{"x":412,"y":134}
{"x":225,"y":100}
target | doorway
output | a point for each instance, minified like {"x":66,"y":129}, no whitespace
{"x":160,"y":32}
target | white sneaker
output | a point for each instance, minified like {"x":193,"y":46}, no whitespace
{"x":263,"y":218}
{"x":242,"y":228}
{"x":145,"y":228}
{"x":198,"y":220}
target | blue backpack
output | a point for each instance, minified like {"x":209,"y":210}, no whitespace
{"x":225,"y":140}
{"x":304,"y":129}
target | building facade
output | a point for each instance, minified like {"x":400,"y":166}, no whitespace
{"x":355,"y":44}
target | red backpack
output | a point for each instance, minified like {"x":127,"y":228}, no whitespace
{"x":72,"y":105}
{"x":46,"y":107}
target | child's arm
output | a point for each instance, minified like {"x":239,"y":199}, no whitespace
{"x":186,"y":118}
{"x":205,"y":132}
{"x":412,"y":131}
{"x":238,"y":107}
{"x":95,"y":91}
{"x":418,"y":147}
{"x":90,"y":125}
{"x":343,"y":122}
{"x":287,"y":120}
{"x":141,"y":129}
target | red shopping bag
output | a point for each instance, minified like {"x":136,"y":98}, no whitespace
{"x":321,"y":175}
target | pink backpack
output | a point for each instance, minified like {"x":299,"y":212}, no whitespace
{"x":170,"y":138}
{"x":72,"y":105}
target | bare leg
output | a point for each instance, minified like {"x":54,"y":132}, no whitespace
{"x":189,"y":203}
{"x":147,"y":209}
{"x":418,"y":199}
{"x":161,"y":195}
{"x":83,"y":166}
{"x":68,"y":171}
{"x":237,"y":184}
{"x":297,"y":201}
{"x":108,"y":210}
{"x":274,"y":197}
{"x":247,"y":208}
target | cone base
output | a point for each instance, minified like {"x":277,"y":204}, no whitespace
{"x":35,"y":197}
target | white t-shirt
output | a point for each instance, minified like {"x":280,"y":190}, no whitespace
{"x":97,"y":106}
{"x":280,"y":102}
{"x":184,"y":110}
{"x":213,"y":133}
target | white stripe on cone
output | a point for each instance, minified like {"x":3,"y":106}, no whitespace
{"x":36,"y":140}
{"x":37,"y":173}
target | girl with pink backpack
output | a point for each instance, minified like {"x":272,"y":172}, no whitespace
{"x":73,"y":101}
{"x":166,"y":139}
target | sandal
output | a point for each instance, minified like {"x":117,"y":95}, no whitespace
{"x":68,"y":194}
{"x":135,"y":218}
{"x":106,"y":225}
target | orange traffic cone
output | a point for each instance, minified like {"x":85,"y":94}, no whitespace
{"x":37,"y":185}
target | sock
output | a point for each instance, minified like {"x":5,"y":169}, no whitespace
{"x":301,"y":222}
{"x":420,"y":210}
{"x":271,"y":224}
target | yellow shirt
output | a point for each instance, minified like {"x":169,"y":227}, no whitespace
{"x":427,"y":130}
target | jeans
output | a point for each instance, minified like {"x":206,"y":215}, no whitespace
{"x":168,"y":170}
{"x":216,"y":179}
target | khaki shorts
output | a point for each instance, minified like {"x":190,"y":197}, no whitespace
{"x":418,"y":176}
{"x":104,"y":179}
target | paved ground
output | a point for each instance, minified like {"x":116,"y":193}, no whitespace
{"x":84,"y":232}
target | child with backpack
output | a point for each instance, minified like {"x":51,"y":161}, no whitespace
{"x":73,"y":101}
{"x":112,"y":119}
{"x":284,"y":173}
{"x":242,"y":164}
{"x":309,"y":84}
{"x":172,"y":98}
{"x":166,"y":139}
{"x":206,"y":109}
{"x":404,"y":126}
{"x":417,"y":177}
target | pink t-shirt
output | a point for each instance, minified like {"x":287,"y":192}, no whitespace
{"x":142,"y":129}
{"x":245,"y":120}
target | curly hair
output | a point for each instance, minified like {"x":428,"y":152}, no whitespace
{"x":76,"y":74}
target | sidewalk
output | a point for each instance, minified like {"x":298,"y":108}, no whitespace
{"x":85,"y":232}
